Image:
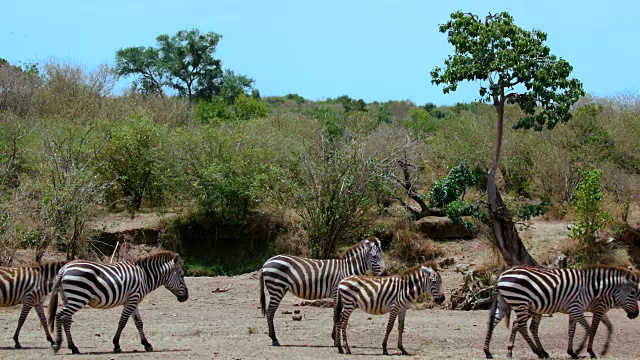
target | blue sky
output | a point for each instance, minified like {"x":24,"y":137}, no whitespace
{"x":375,"y":49}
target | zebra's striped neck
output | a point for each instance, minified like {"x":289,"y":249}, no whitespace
{"x":354,"y":261}
{"x":49,"y":271}
{"x":156,"y":268}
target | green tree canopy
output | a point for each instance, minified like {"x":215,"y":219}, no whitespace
{"x":184,"y":62}
{"x":513,"y":66}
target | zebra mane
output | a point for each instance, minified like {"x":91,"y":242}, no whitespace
{"x":164,"y":255}
{"x":355,"y":247}
{"x":432,"y":264}
{"x":611,"y":267}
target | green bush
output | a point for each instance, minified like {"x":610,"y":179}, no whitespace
{"x":590,"y":217}
{"x":134,"y":161}
{"x":247,"y":108}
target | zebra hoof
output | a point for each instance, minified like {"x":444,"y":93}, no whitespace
{"x":18,"y":346}
{"x":404,"y":352}
{"x":117,"y":350}
{"x":75,"y":351}
{"x":275,"y":343}
{"x":55,"y":347}
{"x":148,"y":348}
{"x":489,"y":356}
{"x":340,"y":351}
{"x":573,"y":355}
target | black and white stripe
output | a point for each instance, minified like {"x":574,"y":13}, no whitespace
{"x":531,"y":292}
{"x":387,"y":294}
{"x":313,"y":279}
{"x":28,"y":286}
{"x":106,"y":286}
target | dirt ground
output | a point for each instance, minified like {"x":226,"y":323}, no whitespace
{"x":229,"y":325}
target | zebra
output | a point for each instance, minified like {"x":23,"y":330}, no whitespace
{"x":381,"y":295}
{"x":313,"y":279}
{"x":106,"y":286}
{"x":28,"y":285}
{"x":532,"y":292}
{"x":599,"y":309}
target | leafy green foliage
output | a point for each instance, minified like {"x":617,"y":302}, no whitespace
{"x":143,"y":62}
{"x":590,"y":217}
{"x":512,"y":64}
{"x":454,"y":185}
{"x":448,"y":193}
{"x":247,"y":108}
{"x":183,"y":62}
{"x":132,"y":158}
{"x":332,"y":194}
{"x":233,"y":86}
{"x":212,"y":112}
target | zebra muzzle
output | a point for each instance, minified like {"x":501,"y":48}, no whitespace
{"x":632,"y":315}
{"x":183,"y":297}
{"x":441,"y":298}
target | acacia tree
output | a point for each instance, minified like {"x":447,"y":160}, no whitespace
{"x":513,"y":66}
{"x":183,"y":62}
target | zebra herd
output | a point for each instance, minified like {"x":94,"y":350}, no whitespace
{"x":95,"y":284}
{"x":529,"y":292}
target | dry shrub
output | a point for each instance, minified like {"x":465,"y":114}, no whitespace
{"x":475,"y":293}
{"x":603,"y":251}
{"x":70,"y":91}
{"x":412,"y":247}
{"x":292,"y":242}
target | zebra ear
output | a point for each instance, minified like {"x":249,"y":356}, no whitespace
{"x":176,"y":258}
{"x":428,"y":269}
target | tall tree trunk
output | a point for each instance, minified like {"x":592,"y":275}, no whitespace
{"x":504,"y":230}
{"x":507,"y":239}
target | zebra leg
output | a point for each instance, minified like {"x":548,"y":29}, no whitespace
{"x":520,"y":325}
{"x":138,"y":321}
{"x":401,"y":315}
{"x":499,"y":309}
{"x":607,"y":323}
{"x":535,"y":325}
{"x":128,"y":309}
{"x":597,"y":316}
{"x":573,"y":319}
{"x":26,"y":307}
{"x":66,"y":322}
{"x":346,"y":313}
{"x":274,"y":302}
{"x":392,"y":319}
{"x":43,"y":322}
{"x":335,"y":301}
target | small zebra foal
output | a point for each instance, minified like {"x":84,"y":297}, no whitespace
{"x":28,"y":285}
{"x":313,"y":279}
{"x":531,"y":292}
{"x":386,"y":294}
{"x":105,"y":286}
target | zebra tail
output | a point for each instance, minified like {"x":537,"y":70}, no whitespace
{"x":263,"y":301}
{"x":337,"y":313}
{"x":53,"y":302}
{"x":507,"y":316}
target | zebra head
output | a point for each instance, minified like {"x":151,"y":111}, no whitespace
{"x":374,"y":256}
{"x":175,"y":279}
{"x":432,"y":281}
{"x":625,"y":295}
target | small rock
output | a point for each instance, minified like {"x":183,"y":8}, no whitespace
{"x":296,"y":311}
{"x":369,"y":318}
{"x":98,"y":335}
{"x":297,"y":317}
{"x":285,"y":312}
